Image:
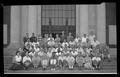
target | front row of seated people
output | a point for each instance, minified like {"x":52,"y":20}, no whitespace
{"x":82,"y":52}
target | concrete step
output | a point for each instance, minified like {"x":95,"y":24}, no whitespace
{"x":8,"y":59}
{"x":9,"y":51}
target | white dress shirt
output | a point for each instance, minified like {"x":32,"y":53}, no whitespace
{"x":18,"y":58}
{"x":25,"y":58}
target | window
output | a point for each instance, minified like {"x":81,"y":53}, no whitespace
{"x":58,"y":15}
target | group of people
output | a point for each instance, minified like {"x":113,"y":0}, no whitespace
{"x":84,"y":52}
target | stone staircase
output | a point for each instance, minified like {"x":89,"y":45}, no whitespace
{"x":10,"y":52}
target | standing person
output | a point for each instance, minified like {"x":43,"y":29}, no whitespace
{"x":57,"y":40}
{"x":77,"y":38}
{"x":50,"y":37}
{"x":91,"y":37}
{"x":70,"y":37}
{"x":84,"y":40}
{"x":33,"y":38}
{"x":45,"y":40}
{"x":41,"y":41}
{"x":62,"y":37}
{"x":17,"y":62}
{"x":26,"y":38}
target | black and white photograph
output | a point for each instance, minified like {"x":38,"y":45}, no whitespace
{"x":60,"y":39}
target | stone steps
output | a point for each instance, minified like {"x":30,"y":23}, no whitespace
{"x":106,"y":66}
{"x":8,"y":54}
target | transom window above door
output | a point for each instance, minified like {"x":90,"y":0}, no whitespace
{"x":58,"y":15}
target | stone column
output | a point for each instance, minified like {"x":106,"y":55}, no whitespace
{"x":101,"y":23}
{"x":32,"y":20}
{"x":38,"y":19}
{"x":24,"y":22}
{"x":92,"y":19}
{"x":77,"y":19}
{"x":84,"y":19}
{"x":15,"y":25}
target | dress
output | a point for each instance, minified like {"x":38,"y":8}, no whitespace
{"x":36,"y":61}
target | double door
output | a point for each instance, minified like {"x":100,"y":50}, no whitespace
{"x":57,"y":30}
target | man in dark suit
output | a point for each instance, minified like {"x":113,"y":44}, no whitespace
{"x":70,"y":37}
{"x":26,"y":38}
{"x":62,"y":37}
{"x":33,"y":38}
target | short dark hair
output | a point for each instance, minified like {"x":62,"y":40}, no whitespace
{"x":17,"y":52}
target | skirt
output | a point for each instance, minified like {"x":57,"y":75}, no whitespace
{"x":44,"y":63}
{"x":16,"y":67}
{"x":36,"y":62}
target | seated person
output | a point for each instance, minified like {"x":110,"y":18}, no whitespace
{"x":36,"y":60}
{"x":65,"y":44}
{"x":41,"y":41}
{"x":95,"y":43}
{"x":27,"y":42}
{"x":44,"y":61}
{"x":77,"y":38}
{"x":58,"y":50}
{"x":45,"y":40}
{"x":53,"y":49}
{"x":49,"y":53}
{"x":41,"y":52}
{"x":80,"y":60}
{"x":27,"y":48}
{"x":71,"y":60}
{"x":51,"y":42}
{"x":53,"y":61}
{"x":35,"y":43}
{"x":72,"y":43}
{"x":37,"y":49}
{"x":104,"y":50}
{"x":65,"y":49}
{"x":74,"y":52}
{"x":33,"y":38}
{"x":57,"y":39}
{"x":61,"y":58}
{"x":16,"y":63}
{"x":80,"y":50}
{"x":21,"y":52}
{"x":88,"y":51}
{"x":26,"y":60}
{"x":88,"y":62}
{"x":96,"y":62}
{"x":32,"y":52}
